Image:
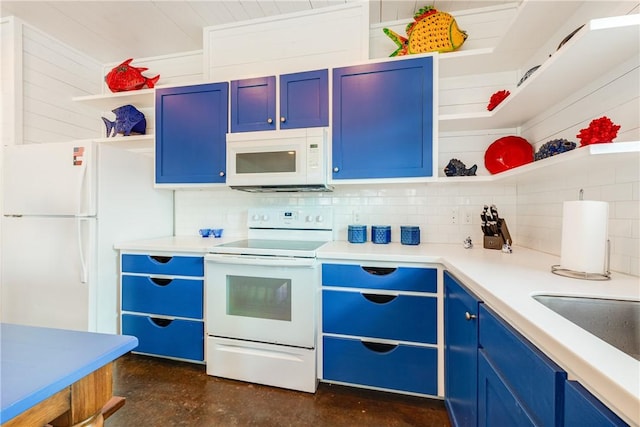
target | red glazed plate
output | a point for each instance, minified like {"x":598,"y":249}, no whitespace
{"x":506,"y":153}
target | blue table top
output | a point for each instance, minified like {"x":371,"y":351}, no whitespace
{"x":36,"y":363}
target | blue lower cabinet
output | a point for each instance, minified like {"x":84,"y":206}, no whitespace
{"x":169,"y":297}
{"x":388,"y":278}
{"x":583,"y":409}
{"x":395,"y":317}
{"x":497,"y":405}
{"x":163,"y":264}
{"x":534,"y":378}
{"x":395,"y":367}
{"x":177,"y":338}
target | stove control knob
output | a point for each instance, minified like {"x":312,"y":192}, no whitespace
{"x":265,"y":217}
{"x":319,"y":218}
{"x":309,"y":218}
{"x":255,"y":217}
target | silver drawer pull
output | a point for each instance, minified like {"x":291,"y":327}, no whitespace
{"x":469,"y":316}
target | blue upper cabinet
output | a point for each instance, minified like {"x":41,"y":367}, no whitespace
{"x":191,"y":127}
{"x":253,"y":104}
{"x":383,"y":117}
{"x":304,"y":99}
{"x":304,"y":102}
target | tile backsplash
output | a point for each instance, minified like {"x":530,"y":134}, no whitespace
{"x":431,"y":206}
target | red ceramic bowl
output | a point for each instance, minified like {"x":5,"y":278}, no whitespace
{"x":506,"y":153}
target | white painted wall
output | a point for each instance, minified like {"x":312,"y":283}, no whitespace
{"x":325,"y":37}
{"x":53,"y":73}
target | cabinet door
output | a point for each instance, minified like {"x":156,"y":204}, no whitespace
{"x":529,"y":374}
{"x":383,"y":117}
{"x":253,"y":104}
{"x":497,"y":406}
{"x":191,"y":127}
{"x":460,"y":353}
{"x":581,"y":408}
{"x":304,"y":99}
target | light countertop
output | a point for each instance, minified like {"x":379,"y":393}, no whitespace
{"x":506,"y":283}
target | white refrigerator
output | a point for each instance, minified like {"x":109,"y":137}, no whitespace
{"x":65,"y":205}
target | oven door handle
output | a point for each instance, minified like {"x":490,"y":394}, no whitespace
{"x":268,"y":261}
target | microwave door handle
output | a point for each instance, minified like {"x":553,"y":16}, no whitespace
{"x":268,"y":261}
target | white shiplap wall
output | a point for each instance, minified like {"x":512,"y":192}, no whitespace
{"x":10,"y":80}
{"x":326,"y":37}
{"x":53,"y":73}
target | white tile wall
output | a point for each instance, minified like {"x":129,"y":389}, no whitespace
{"x":539,"y":210}
{"x":426,"y":205}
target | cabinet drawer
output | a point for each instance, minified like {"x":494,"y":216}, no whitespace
{"x":402,"y":367}
{"x":156,"y":264}
{"x":170,"y":297}
{"x":401,"y":317}
{"x":533,"y":377}
{"x":183,"y":339}
{"x":400,"y":278}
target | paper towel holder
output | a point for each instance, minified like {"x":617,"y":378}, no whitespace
{"x":557,"y":269}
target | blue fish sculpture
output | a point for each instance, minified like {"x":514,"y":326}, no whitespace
{"x":457,"y":168}
{"x":554,"y":147}
{"x":128,"y":119}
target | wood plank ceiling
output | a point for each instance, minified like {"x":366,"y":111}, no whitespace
{"x":110,"y":31}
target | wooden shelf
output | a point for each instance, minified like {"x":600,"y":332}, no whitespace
{"x":590,"y":53}
{"x":590,"y":156}
{"x":142,"y":98}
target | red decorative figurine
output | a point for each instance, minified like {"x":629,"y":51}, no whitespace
{"x":600,"y":131}
{"x":497,"y":98}
{"x":125,"y":77}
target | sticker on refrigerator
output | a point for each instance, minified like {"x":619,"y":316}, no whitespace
{"x":78,"y":154}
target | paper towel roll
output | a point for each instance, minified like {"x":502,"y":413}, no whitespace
{"x":584,"y":236}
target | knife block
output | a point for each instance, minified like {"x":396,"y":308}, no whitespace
{"x":496,"y":242}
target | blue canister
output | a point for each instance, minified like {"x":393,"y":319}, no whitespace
{"x":380,"y":233}
{"x":357,"y":233}
{"x":409,"y":235}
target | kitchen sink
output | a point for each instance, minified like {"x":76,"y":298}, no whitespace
{"x":614,"y":321}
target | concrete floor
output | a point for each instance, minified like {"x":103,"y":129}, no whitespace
{"x":168,"y":393}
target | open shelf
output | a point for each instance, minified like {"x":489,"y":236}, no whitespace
{"x":595,"y":155}
{"x":598,"y":47}
{"x":142,"y":98}
{"x":522,"y":38}
{"x":137,"y":143}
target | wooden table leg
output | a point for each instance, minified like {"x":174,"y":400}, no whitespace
{"x":88,"y":396}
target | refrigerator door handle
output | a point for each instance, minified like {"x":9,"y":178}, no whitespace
{"x":81,"y":183}
{"x":83,"y":259}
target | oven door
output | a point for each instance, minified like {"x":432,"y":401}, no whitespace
{"x":266,"y":299}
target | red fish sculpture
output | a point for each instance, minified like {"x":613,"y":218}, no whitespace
{"x":126,"y":77}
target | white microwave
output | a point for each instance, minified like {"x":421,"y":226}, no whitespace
{"x":279,"y":160}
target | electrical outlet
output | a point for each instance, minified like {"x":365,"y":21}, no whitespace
{"x":355,"y":217}
{"x":466,"y":217}
{"x":455,"y":215}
